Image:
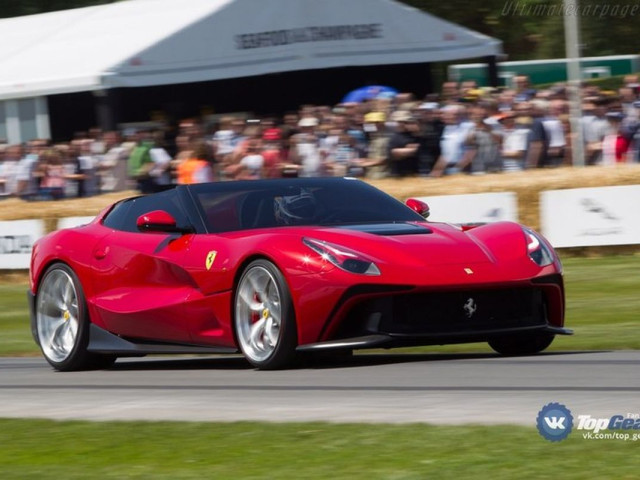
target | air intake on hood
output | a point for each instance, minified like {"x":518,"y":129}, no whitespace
{"x":390,"y":228}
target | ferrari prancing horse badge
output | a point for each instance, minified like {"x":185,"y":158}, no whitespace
{"x":211,"y":256}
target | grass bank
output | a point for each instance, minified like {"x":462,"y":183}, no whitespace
{"x":41,"y":449}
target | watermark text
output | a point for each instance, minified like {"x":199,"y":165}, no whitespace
{"x":600,"y":10}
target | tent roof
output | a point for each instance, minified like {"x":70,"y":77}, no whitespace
{"x":137,"y":43}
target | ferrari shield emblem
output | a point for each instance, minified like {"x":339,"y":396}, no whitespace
{"x":211,"y":256}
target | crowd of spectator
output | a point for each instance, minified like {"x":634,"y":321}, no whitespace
{"x":464,"y":129}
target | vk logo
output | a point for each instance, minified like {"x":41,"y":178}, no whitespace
{"x":554,"y":422}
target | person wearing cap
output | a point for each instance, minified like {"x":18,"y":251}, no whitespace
{"x":514,"y":142}
{"x":404,"y":144}
{"x":376,"y":164}
{"x":304,"y":151}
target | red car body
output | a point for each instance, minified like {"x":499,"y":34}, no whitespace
{"x":167,"y":287}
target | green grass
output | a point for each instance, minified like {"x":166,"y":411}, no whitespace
{"x":603,"y":303}
{"x":40,"y":449}
{"x":603,"y":307}
{"x":15,"y":332}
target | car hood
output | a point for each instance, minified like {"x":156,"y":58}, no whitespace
{"x":411,"y":252}
{"x":411,"y":243}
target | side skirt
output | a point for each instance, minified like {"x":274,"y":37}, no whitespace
{"x":101,"y":341}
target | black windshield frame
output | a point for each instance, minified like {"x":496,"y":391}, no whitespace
{"x":223,"y":206}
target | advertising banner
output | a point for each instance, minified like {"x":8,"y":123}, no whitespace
{"x":473,"y":208}
{"x":71,"y":222}
{"x":16,"y":240}
{"x":584,"y":217}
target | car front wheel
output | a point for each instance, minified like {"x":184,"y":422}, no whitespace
{"x":62,"y":322}
{"x":264,"y":317}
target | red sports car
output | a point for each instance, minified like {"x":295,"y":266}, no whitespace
{"x":276,"y":267}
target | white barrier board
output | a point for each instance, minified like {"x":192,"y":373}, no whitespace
{"x":473,"y":208}
{"x":584,"y":217}
{"x":72,"y":222}
{"x":16,"y":240}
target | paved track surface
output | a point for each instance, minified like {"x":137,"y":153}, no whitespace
{"x":434,"y":388}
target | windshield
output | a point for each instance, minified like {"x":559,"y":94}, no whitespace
{"x":230,"y":206}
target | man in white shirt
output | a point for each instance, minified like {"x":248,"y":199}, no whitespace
{"x":514,"y":143}
{"x":305,"y":150}
{"x":9,"y":170}
{"x":113,"y":164}
{"x":452,"y":143}
{"x":555,"y":132}
{"x":27,"y":187}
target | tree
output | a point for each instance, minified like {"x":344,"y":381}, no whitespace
{"x":15,"y":8}
{"x":531,"y":29}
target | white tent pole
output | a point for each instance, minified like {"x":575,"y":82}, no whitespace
{"x":572,"y":43}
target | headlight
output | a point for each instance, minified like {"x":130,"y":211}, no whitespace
{"x":342,"y":257}
{"x":537,"y":248}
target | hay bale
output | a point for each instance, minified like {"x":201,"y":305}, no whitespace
{"x":527,"y":185}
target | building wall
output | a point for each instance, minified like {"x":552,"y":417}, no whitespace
{"x":24,"y":119}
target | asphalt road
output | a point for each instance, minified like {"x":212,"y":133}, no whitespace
{"x":434,"y":388}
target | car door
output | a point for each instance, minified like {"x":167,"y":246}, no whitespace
{"x":140,"y":282}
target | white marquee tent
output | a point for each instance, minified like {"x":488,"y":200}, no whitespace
{"x":138,"y":43}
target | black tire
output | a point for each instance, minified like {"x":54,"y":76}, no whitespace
{"x":60,"y":304}
{"x":264,"y":347}
{"x":521,"y":344}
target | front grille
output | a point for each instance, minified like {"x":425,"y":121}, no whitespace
{"x":448,"y":312}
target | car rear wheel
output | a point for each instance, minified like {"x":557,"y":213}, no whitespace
{"x":522,"y":344}
{"x":264,"y":318}
{"x":62,"y":323}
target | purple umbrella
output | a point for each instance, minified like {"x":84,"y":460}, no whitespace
{"x":367,"y":93}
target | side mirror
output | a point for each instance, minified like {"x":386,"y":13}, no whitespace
{"x":158,"y":221}
{"x":418,"y":206}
